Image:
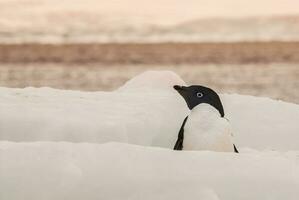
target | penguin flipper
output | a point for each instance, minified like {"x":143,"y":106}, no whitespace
{"x":235,"y":149}
{"x":179,"y":143}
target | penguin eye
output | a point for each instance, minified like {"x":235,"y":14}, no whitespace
{"x":199,"y":94}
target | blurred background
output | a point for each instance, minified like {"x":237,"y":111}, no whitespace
{"x":234,"y":46}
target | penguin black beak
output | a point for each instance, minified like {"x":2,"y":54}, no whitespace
{"x":178,"y":87}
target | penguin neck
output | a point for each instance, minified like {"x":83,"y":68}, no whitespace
{"x":203,"y":110}
{"x":203,"y":128}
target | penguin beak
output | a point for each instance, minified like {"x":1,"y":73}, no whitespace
{"x":182,"y":90}
{"x":178,"y":88}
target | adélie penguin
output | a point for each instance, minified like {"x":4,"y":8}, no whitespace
{"x":205,"y":128}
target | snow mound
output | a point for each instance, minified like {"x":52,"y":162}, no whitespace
{"x":263,"y":123}
{"x":145,"y":111}
{"x":59,"y":170}
{"x":153,"y":80}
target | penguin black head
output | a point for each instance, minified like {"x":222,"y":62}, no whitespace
{"x":196,"y":94}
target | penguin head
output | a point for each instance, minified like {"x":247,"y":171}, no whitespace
{"x":196,"y":94}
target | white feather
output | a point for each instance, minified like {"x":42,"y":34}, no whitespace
{"x":205,"y":129}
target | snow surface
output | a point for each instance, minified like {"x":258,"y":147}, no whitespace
{"x":56,"y":144}
{"x":59,"y":170}
{"x":145,"y":111}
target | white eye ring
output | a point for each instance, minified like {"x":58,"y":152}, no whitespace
{"x":199,"y":94}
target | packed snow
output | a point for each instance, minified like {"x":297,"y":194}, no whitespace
{"x":68,"y":171}
{"x":56,"y":144}
{"x":145,"y":111}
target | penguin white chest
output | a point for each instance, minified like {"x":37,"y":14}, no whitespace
{"x":206,"y":130}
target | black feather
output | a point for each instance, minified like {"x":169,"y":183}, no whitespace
{"x":179,"y":143}
{"x":235,"y":149}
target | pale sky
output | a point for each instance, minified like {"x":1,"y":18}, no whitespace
{"x":163,"y":11}
{"x":203,"y":7}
